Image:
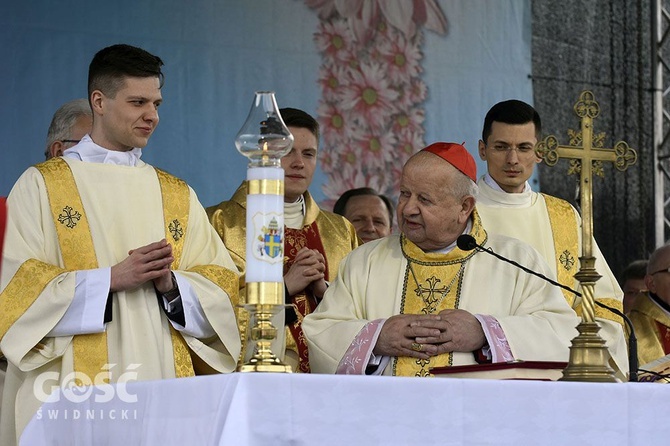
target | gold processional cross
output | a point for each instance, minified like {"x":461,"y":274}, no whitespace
{"x":588,"y":358}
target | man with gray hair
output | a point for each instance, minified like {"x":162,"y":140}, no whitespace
{"x":69,"y":124}
{"x":650,"y":314}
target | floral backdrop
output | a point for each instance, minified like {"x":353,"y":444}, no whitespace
{"x":383,"y":77}
{"x":371,"y":108}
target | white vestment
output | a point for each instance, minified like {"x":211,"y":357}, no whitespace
{"x":124,"y":208}
{"x":524,"y":216}
{"x":535,"y":318}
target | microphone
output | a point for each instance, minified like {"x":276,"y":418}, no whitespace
{"x":466,"y":242}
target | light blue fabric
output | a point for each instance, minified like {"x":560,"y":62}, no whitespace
{"x":217,"y":53}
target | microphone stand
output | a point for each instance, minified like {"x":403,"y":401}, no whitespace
{"x":469,"y":243}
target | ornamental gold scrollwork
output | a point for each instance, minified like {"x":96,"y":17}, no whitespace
{"x":587,"y":105}
{"x":625,"y":156}
{"x":546,"y":150}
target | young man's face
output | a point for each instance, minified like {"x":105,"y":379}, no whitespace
{"x":509,"y":153}
{"x":299,"y":164}
{"x":128,"y":119}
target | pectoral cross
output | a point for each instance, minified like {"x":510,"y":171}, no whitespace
{"x":588,"y":361}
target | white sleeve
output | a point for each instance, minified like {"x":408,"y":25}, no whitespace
{"x":86,"y":313}
{"x":197,"y":324}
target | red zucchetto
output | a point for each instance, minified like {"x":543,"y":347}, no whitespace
{"x":456,"y":155}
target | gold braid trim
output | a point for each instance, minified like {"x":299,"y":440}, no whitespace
{"x":176,"y":203}
{"x":224,"y":278}
{"x":566,"y":243}
{"x":228,"y":281}
{"x":78,"y":251}
{"x":22,"y":291}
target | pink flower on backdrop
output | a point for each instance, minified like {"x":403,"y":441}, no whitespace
{"x":405,"y":15}
{"x":343,"y":180}
{"x":334,"y":124}
{"x":370,"y":96}
{"x":409,"y":142}
{"x":333,"y":78}
{"x":334,"y":39}
{"x":326,"y":160}
{"x":350,"y":178}
{"x":414,"y":93}
{"x":375,"y":149}
{"x":349,"y":156}
{"x":401,"y":57}
{"x":409,"y":120}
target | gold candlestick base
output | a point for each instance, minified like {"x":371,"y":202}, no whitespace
{"x":589,"y":357}
{"x":262,"y":335}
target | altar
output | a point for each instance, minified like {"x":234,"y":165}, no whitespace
{"x":297,"y":409}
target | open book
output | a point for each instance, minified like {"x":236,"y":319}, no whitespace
{"x":534,"y":370}
{"x":657,"y":371}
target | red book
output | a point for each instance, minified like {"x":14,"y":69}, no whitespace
{"x":534,"y":370}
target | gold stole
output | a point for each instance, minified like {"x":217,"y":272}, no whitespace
{"x":176,"y":203}
{"x":566,"y":247}
{"x":74,"y":237}
{"x":432,"y":283}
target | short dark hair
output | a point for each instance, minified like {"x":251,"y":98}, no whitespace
{"x":341,"y":203}
{"x":111,"y":65}
{"x":636,"y":269}
{"x":294,"y":117}
{"x":511,"y":112}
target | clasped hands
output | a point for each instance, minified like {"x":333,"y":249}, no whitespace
{"x":426,"y":335}
{"x":149,"y":262}
{"x":308,"y":270}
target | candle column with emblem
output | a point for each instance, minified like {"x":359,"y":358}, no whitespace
{"x":264,"y":139}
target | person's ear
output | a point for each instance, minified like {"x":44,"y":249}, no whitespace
{"x":56,"y":148}
{"x":482,"y":150}
{"x":467,"y":206}
{"x":97,"y":102}
{"x":649,"y":282}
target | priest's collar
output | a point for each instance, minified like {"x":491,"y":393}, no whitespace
{"x":90,"y":152}
{"x":496,"y":194}
{"x":450,"y":253}
{"x":294,"y":213}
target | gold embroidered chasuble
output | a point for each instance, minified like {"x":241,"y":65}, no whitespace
{"x":141,"y":205}
{"x":652,"y":329}
{"x":78,"y":252}
{"x":337,"y":237}
{"x":375,"y":283}
{"x":553,"y":227}
{"x":432,"y":283}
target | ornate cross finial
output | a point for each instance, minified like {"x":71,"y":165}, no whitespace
{"x":586,"y":158}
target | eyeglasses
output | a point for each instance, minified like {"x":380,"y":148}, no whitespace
{"x":664,"y":270}
{"x":522,"y":151}
{"x":73,"y":141}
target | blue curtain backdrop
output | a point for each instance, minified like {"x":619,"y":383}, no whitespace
{"x":217,"y":53}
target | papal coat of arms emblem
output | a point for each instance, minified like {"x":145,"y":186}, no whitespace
{"x":268,"y":239}
{"x":272,"y":240}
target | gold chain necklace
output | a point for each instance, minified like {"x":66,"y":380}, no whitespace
{"x":428,"y":294}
